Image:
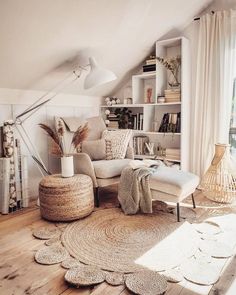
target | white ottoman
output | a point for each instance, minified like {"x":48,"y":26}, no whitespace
{"x":171,"y":185}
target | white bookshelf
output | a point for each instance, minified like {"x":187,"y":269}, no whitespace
{"x":153,"y":111}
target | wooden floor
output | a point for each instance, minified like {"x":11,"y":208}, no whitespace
{"x":19,"y":274}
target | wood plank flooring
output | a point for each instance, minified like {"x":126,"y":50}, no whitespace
{"x":19,"y":274}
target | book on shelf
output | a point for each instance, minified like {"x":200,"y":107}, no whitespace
{"x":171,"y":122}
{"x":139,"y":144}
{"x":149,"y":68}
{"x":172,"y":95}
{"x":150,"y":62}
{"x":137,"y":121}
{"x":113,"y":124}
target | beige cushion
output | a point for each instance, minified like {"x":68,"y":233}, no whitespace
{"x":96,"y":127}
{"x":116,"y":143}
{"x":73,"y":123}
{"x":173,"y":182}
{"x":96,"y":149}
{"x":111,"y":168}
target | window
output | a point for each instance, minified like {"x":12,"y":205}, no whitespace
{"x":232,"y":131}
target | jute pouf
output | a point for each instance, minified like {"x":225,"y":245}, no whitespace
{"x":146,"y":283}
{"x":65,"y":199}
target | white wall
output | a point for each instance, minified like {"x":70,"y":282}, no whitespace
{"x":13,"y":101}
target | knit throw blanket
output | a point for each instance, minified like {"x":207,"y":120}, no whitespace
{"x":134,"y":190}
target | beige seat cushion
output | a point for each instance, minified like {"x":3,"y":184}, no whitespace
{"x":173,"y":182}
{"x":109,"y":168}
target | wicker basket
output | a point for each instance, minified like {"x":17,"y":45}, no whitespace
{"x":219,"y":182}
{"x":65,"y":199}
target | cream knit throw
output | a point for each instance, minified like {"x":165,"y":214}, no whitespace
{"x":134,"y":191}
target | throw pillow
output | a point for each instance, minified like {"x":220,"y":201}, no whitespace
{"x":117,"y":142}
{"x":96,"y":149}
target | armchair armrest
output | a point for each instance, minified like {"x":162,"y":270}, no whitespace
{"x":83,"y":165}
{"x":129,"y":153}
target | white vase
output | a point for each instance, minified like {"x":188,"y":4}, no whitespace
{"x":67,"y":166}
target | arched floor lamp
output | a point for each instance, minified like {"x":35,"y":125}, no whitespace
{"x":97,"y":76}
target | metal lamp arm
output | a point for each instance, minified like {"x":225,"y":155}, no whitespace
{"x":20,"y":119}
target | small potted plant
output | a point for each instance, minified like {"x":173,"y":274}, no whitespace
{"x":57,"y":136}
{"x":124,"y":116}
{"x":173,"y":65}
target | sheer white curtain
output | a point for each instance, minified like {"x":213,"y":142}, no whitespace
{"x":214,"y":86}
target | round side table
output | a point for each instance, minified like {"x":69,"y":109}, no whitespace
{"x":65,"y":199}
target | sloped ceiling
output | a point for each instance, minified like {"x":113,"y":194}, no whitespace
{"x":42,"y":40}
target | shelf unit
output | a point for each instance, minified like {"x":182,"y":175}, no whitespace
{"x":153,"y":112}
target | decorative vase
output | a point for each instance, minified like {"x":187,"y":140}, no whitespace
{"x":67,"y":166}
{"x":219,"y":182}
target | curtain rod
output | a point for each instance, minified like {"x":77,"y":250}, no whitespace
{"x":198,"y":18}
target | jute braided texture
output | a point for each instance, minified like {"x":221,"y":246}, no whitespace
{"x":146,"y":283}
{"x":65,"y":199}
{"x":84,"y":275}
{"x":114,"y":241}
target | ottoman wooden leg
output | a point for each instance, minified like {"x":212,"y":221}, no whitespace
{"x":96,"y":196}
{"x":194,"y":205}
{"x":178,"y":217}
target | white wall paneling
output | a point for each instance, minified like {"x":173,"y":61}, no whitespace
{"x":64,"y":105}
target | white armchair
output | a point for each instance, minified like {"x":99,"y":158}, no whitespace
{"x":102,"y":172}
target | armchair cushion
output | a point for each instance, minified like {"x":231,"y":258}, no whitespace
{"x":96,"y":126}
{"x":116,"y":143}
{"x":109,"y":169}
{"x":96,"y":149}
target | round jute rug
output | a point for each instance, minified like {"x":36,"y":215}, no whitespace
{"x":114,"y":241}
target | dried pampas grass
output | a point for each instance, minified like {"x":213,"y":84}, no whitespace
{"x":54,"y":136}
{"x":80,"y":135}
{"x":57,"y":137}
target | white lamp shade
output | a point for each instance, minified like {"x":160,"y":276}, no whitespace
{"x":97,"y":75}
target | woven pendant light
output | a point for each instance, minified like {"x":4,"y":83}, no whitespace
{"x":219,"y":182}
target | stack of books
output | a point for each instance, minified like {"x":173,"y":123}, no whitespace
{"x":137,"y":123}
{"x":173,"y":153}
{"x":139,"y":144}
{"x":114,"y":121}
{"x":150,"y":64}
{"x":172,"y":95}
{"x":171,"y":122}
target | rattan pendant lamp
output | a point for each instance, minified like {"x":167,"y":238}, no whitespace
{"x":219,"y":182}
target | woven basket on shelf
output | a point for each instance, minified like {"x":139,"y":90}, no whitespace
{"x":219,"y":182}
{"x":65,"y":199}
